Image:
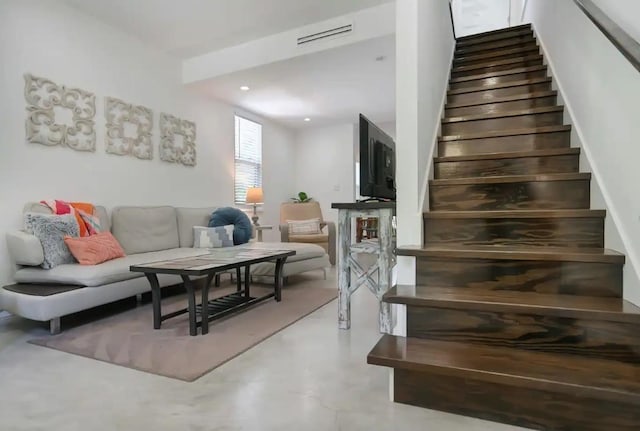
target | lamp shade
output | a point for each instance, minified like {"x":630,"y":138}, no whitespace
{"x":254,"y":195}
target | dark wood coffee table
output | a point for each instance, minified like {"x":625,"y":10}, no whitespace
{"x":208,"y":265}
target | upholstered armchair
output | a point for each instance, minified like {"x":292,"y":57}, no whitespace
{"x":307,"y":211}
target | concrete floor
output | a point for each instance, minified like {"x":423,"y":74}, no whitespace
{"x":310,"y":376}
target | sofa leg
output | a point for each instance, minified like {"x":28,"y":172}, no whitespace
{"x":324,"y":272}
{"x":54,"y":326}
{"x":139,"y":298}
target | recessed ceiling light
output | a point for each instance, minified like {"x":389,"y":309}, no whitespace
{"x":307,"y":119}
{"x":245,"y":88}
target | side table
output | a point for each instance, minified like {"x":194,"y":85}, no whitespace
{"x":259,"y":230}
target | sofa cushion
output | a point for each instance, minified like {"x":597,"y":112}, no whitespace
{"x":94,"y":249}
{"x":104,"y":273}
{"x":303,"y":251}
{"x":187,"y":219}
{"x":144,"y":229}
{"x":313,"y":238}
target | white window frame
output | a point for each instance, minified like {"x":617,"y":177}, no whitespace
{"x":237,"y":159}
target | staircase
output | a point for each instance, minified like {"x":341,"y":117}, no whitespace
{"x":517,"y":313}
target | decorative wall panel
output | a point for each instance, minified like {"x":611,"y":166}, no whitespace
{"x":45,"y":101}
{"x":173,"y":130}
{"x":118,"y":115}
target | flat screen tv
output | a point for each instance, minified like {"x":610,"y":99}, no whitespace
{"x":377,"y":162}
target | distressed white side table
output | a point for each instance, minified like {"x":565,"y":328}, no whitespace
{"x":348,"y":265}
{"x":260,"y":229}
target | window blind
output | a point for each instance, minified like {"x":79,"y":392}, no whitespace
{"x":248,"y":157}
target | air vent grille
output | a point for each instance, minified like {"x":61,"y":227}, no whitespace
{"x":343,"y":29}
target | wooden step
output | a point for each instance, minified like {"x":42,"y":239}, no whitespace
{"x":571,"y":325}
{"x":520,"y":119}
{"x":488,"y":79}
{"x":503,"y":104}
{"x":559,"y":160}
{"x":494,"y":55}
{"x":561,"y":254}
{"x":488,"y":93}
{"x":523,"y":40}
{"x":505,"y":141}
{"x":551,"y":392}
{"x":536,"y":228}
{"x":517,"y":192}
{"x":490,"y":36}
{"x":498,"y":65}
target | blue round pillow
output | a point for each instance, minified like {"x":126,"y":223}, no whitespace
{"x":242,"y":228}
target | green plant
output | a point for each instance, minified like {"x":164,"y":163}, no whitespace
{"x":301,"y":198}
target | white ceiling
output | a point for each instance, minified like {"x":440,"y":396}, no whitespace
{"x":329,"y":87}
{"x":186,"y":28}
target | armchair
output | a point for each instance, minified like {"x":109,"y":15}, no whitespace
{"x":305,"y":211}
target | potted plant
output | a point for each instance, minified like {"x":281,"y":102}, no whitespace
{"x":302,"y":198}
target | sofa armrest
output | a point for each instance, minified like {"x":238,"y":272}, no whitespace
{"x":331,"y":227}
{"x":284,"y":232}
{"x":25,"y":249}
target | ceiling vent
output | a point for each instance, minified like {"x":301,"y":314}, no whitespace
{"x":342,"y":30}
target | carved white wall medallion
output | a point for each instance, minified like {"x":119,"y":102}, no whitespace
{"x":134,"y":140}
{"x":45,"y":101}
{"x":173,"y":130}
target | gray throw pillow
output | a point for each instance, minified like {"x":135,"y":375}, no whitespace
{"x":50,"y":230}
{"x":212,"y":237}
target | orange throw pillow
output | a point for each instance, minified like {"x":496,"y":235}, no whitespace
{"x":94,"y":249}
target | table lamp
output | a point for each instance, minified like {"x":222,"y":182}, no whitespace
{"x":255,"y":197}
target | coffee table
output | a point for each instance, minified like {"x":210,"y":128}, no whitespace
{"x":208,"y":265}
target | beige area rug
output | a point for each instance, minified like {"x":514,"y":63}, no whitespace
{"x":128,"y":339}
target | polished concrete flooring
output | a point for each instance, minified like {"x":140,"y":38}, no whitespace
{"x":310,"y":376}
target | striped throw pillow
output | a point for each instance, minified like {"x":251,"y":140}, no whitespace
{"x":304,"y":227}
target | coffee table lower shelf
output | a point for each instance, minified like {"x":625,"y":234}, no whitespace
{"x":229,"y":304}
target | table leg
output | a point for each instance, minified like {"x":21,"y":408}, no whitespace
{"x":238,"y":280}
{"x":155,"y":299}
{"x":247,"y":280}
{"x":217,"y":282}
{"x":191,"y":297}
{"x":278,"y":278}
{"x":344,"y":270}
{"x":204,"y":317}
{"x":385,"y":258}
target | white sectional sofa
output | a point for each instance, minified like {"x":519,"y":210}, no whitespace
{"x":146,"y":234}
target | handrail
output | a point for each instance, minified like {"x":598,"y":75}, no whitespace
{"x":453,"y":26}
{"x":628,"y":46}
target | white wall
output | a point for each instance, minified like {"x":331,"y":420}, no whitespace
{"x":625,"y":13}
{"x":325,"y":165}
{"x":51,"y":40}
{"x":424,"y":50}
{"x":600,"y":89}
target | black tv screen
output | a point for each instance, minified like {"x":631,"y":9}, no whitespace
{"x":377,"y":162}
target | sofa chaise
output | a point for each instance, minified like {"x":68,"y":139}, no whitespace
{"x":146,"y":234}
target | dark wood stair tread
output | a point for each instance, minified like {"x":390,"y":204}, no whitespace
{"x":577,"y":213}
{"x":507,"y":84}
{"x":508,"y":132}
{"x":512,"y":42}
{"x":580,"y":176}
{"x":465,"y":57}
{"x":492,"y":32}
{"x":513,"y":98}
{"x":504,"y":301}
{"x":596,"y":378}
{"x":500,"y":252}
{"x":510,"y":155}
{"x":496,"y":74}
{"x":514,"y":60}
{"x":505,"y":114}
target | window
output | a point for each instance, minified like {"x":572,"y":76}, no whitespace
{"x":248,"y":158}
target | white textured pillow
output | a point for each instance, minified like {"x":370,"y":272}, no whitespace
{"x":304,"y":227}
{"x":213,"y":237}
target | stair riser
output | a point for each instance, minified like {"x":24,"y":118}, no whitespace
{"x":534,"y":232}
{"x":489,"y":95}
{"x":489,"y":108}
{"x":517,"y":405}
{"x":492,"y":56}
{"x":515,"y":166}
{"x":537,"y":141}
{"x":572,"y":194}
{"x":551,"y":277}
{"x":499,"y":79}
{"x":479,"y":70}
{"x":504,"y":123}
{"x":513,"y":42}
{"x":587,"y":337}
{"x":482,"y":40}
